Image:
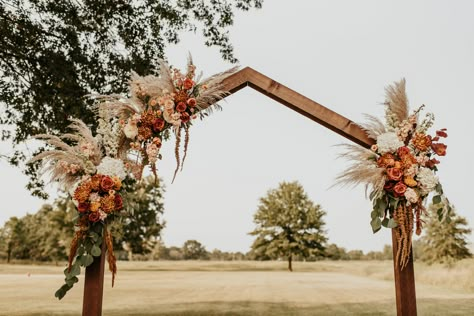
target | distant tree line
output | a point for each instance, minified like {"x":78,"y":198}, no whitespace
{"x":289,"y":226}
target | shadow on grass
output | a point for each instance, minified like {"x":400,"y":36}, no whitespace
{"x":425,"y":307}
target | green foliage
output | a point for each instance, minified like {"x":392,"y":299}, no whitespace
{"x":194,"y":250}
{"x":288,"y":223}
{"x":139,"y":231}
{"x":444,"y":241}
{"x":53,"y":53}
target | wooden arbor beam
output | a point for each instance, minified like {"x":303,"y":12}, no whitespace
{"x":404,"y":279}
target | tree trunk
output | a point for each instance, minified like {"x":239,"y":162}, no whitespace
{"x":9,"y":252}
{"x":290,"y":268}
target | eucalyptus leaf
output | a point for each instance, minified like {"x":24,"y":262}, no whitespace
{"x":437,"y":199}
{"x":385,"y":222}
{"x":70,"y":282}
{"x":374,"y":214}
{"x":392,"y":223}
{"x":376,"y":224}
{"x":95,"y":251}
{"x":382,"y":206}
{"x":94,"y":236}
{"x":75,"y":270}
{"x":88,"y":259}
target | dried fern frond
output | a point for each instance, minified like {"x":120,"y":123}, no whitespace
{"x":373,"y":127}
{"x":396,"y":100}
{"x":361,"y":171}
{"x":214,"y":91}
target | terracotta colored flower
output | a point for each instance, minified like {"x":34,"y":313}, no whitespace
{"x":107,"y":203}
{"x":117,"y":183}
{"x":147,"y":118}
{"x":144,"y":132}
{"x":188,"y":84}
{"x":431,"y":163}
{"x":95,"y":182}
{"x":439,"y":149}
{"x":192,"y":102}
{"x":181,"y":107}
{"x":185,"y":117}
{"x":82,"y":192}
{"x":408,"y":160}
{"x":94,"y":217}
{"x":83,"y":207}
{"x":386,"y":160}
{"x":158,"y":124}
{"x":106,"y":184}
{"x":181,"y":96}
{"x":442,"y":133}
{"x":403,"y":151}
{"x":421,"y":141}
{"x":118,"y":202}
{"x":395,"y":174}
{"x":399,"y":189}
{"x":410,"y":181}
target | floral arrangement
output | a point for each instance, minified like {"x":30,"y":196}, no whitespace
{"x":399,"y":168}
{"x":93,"y":168}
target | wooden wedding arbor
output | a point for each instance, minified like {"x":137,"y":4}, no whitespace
{"x":248,"y":77}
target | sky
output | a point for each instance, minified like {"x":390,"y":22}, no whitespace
{"x":341,"y":54}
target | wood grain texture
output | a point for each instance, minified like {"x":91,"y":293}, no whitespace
{"x":94,"y":286}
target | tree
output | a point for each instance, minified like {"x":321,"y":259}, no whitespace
{"x":194,"y":250}
{"x":444,"y":241}
{"x":288,"y":224}
{"x":139,"y":231}
{"x":53,"y":53}
{"x":333,"y":252}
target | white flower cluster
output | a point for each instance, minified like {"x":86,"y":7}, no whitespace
{"x":427,"y":180}
{"x":112,"y":167}
{"x":388,"y":142}
{"x":109,"y":131}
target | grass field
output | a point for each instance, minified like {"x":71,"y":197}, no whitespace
{"x":242,"y":288}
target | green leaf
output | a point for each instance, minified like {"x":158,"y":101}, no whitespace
{"x":75,"y":270}
{"x":374,"y":214}
{"x":439,"y":188}
{"x":94,"y":236}
{"x":70,"y":282}
{"x":88,"y":259}
{"x":95,"y":251}
{"x":376,"y":224}
{"x":62,"y":291}
{"x":382,"y":206}
{"x":437,"y":199}
{"x":385,"y":222}
{"x":440,"y":214}
{"x":372,"y":195}
{"x":393,"y":203}
{"x":392,"y":223}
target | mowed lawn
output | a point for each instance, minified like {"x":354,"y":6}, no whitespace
{"x":241,"y":288}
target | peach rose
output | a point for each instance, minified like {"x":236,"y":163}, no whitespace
{"x":394,"y":174}
{"x":192,"y":102}
{"x":399,"y":189}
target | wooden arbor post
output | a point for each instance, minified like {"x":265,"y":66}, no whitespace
{"x":404,"y":279}
{"x":94,"y":286}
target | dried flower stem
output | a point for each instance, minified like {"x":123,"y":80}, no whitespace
{"x":186,"y":142}
{"x":110,"y":254}
{"x":73,"y":249}
{"x":176,"y":152}
{"x":404,"y":232}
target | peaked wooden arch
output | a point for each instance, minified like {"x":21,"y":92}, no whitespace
{"x":248,"y":77}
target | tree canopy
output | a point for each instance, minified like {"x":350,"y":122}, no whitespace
{"x":53,"y":53}
{"x":288,"y":224}
{"x":444,"y":241}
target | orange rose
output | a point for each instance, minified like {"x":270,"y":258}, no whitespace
{"x":399,"y":189}
{"x":386,"y":160}
{"x":394,"y":174}
{"x":439,"y":149}
{"x":188,"y":84}
{"x":106,"y":184}
{"x":158,"y":124}
{"x":403,"y":151}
